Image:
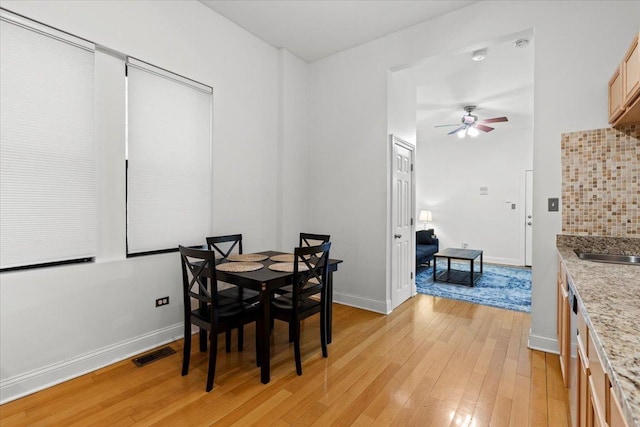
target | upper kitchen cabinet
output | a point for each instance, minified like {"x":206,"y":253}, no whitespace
{"x":616,"y":96}
{"x":624,"y":89}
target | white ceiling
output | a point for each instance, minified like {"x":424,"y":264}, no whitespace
{"x":314,"y":29}
{"x":500,"y":85}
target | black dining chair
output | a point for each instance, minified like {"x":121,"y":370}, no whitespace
{"x":308,"y":296}
{"x":213,"y":314}
{"x":311,"y":239}
{"x":224,"y":246}
{"x":306,"y":240}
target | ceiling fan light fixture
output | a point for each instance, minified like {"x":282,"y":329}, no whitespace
{"x":462,"y":133}
{"x":469,"y":119}
{"x":473,"y":132}
{"x":479,"y":55}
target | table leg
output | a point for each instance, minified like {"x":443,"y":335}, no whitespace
{"x":471,"y":278}
{"x":480,"y":262}
{"x":265,"y":332}
{"x":434,"y":268}
{"x":329,"y":305}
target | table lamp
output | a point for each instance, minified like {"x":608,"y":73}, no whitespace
{"x":425,"y":217}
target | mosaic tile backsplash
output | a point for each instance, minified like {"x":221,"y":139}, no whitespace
{"x":601,"y":182}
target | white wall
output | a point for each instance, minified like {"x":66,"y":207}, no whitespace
{"x":578,"y":45}
{"x":58,"y":322}
{"x":294,"y":184}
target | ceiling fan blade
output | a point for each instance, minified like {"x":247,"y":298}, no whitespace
{"x":456,"y":130}
{"x":495,"y":120}
{"x":441,"y":126}
{"x":483,"y":128}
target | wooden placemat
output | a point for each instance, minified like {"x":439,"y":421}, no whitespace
{"x":247,"y":257}
{"x":239,"y":267}
{"x":283,"y":258}
{"x":286,"y":267}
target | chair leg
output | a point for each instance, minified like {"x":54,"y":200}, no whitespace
{"x":227,"y":341}
{"x":296,"y":346}
{"x":213,"y":353}
{"x":186,"y":350}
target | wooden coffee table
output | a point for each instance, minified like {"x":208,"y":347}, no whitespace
{"x":460,"y":277}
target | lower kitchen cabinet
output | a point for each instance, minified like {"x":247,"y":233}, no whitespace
{"x":584,"y":410}
{"x":564,"y":323}
{"x":595,"y":399}
{"x":599,"y":387}
{"x":617,"y":417}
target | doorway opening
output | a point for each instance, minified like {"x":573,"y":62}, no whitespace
{"x":473,"y":185}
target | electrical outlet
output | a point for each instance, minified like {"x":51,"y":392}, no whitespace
{"x":162,"y":301}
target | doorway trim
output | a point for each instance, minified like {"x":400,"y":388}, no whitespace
{"x":410,"y":265}
{"x":528,"y":218}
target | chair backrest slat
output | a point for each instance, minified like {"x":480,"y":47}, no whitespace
{"x":311,"y":239}
{"x":224,"y":245}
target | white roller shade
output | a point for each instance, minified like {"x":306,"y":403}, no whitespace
{"x":169,"y":178}
{"x":47,"y":150}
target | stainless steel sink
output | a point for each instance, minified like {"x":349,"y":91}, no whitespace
{"x":615,"y":259}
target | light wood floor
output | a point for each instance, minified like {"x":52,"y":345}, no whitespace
{"x":432,"y":362}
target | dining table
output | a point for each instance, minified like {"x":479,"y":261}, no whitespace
{"x":266,"y":281}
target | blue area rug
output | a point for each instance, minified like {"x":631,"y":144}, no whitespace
{"x":499,"y":286}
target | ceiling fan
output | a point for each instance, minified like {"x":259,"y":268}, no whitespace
{"x":471,"y":125}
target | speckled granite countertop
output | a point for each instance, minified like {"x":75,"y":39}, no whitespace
{"x":610,"y":295}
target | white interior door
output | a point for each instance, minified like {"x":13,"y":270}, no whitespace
{"x":528,"y":220}
{"x":402,"y":239}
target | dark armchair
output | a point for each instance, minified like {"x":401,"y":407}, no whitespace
{"x":426,"y":245}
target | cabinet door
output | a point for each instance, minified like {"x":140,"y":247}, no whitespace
{"x":631,"y":73}
{"x":599,"y":406}
{"x":598,"y":380}
{"x":565,"y":337}
{"x":617,"y":416}
{"x":584,"y":410}
{"x":616,"y":96}
{"x":563,"y":313}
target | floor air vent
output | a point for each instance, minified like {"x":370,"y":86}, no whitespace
{"x":153,"y":356}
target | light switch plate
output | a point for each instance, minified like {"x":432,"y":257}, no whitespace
{"x":553,"y":204}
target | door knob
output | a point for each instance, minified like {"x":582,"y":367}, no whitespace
{"x":397,"y":236}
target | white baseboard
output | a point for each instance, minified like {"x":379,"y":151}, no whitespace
{"x":503,"y":261}
{"x":39,"y":379}
{"x":546,"y":344}
{"x":360,"y":302}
